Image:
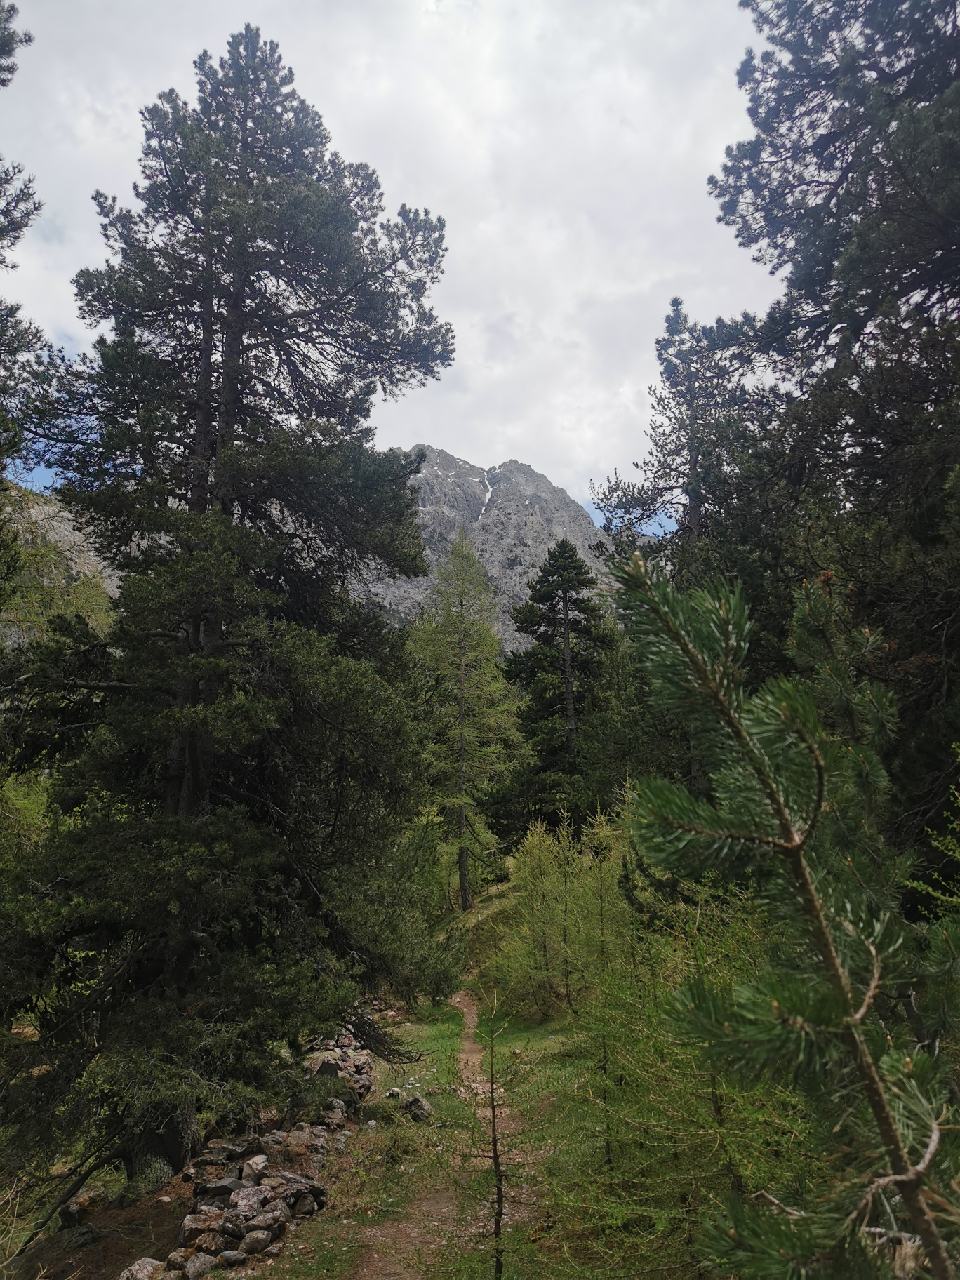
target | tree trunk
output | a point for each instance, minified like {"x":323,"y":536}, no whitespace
{"x":184,"y":764}
{"x":463,"y":852}
{"x":571,"y":734}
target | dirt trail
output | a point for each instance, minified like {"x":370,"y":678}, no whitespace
{"x":403,"y":1248}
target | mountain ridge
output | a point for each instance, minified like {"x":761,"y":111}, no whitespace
{"x":511,"y":513}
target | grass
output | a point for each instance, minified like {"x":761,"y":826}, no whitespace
{"x":391,"y":1161}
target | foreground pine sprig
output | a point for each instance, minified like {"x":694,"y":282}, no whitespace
{"x":770,"y":767}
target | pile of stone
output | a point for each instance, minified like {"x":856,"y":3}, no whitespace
{"x":247,"y":1196}
{"x":341,"y":1059}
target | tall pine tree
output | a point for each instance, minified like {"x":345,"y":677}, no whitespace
{"x":232,"y":764}
{"x":559,"y":675}
{"x":19,"y":340}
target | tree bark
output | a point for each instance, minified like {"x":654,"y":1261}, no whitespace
{"x":571,"y":710}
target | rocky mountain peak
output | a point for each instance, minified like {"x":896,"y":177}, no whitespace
{"x":512,"y":515}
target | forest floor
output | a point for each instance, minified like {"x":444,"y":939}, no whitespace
{"x":411,"y":1200}
{"x":406,"y":1199}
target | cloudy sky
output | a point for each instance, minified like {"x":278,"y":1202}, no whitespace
{"x":566,"y":142}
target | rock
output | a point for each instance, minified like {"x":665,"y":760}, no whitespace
{"x":272,"y":1219}
{"x":232,"y":1258}
{"x":249,"y":1200}
{"x":177,"y":1260}
{"x":336,"y":1113}
{"x":236,"y":1148}
{"x":142,"y":1269}
{"x":71,"y":1214}
{"x":212,"y":1242}
{"x":197,"y":1224}
{"x":219,"y":1189}
{"x":418,"y":1108}
{"x":273,"y":1251}
{"x":254,"y":1168}
{"x":304,"y":1206}
{"x":512,"y":515}
{"x":198,"y":1265}
{"x":256,"y":1242}
{"x":393,"y":1093}
{"x":234,"y":1225}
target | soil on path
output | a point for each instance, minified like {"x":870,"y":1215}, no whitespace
{"x":404,"y":1247}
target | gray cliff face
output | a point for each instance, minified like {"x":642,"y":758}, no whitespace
{"x":512,"y":515}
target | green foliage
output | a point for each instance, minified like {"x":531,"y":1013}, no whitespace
{"x":560,"y":675}
{"x":637,"y":1137}
{"x":232,"y":768}
{"x":813,"y":1016}
{"x":468,"y":713}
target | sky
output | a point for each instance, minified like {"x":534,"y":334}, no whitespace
{"x":567,"y":144}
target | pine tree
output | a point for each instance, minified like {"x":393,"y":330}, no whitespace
{"x":468,"y":709}
{"x":19,"y":340}
{"x":849,"y":179}
{"x":558,"y":675}
{"x":232,"y":765}
{"x":776,"y":778}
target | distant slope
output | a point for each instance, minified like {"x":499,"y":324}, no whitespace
{"x":511,"y":513}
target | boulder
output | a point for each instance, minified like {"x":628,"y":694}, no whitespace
{"x":142,"y":1269}
{"x":198,"y":1265}
{"x":249,"y":1200}
{"x":256,"y":1242}
{"x":177,"y":1260}
{"x":418,"y":1108}
{"x":212,"y":1242}
{"x":254,"y":1168}
{"x":218,"y":1189}
{"x":232,"y":1258}
{"x":234,"y":1225}
{"x":272,"y":1219}
{"x":197,"y":1224}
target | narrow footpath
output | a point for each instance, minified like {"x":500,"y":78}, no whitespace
{"x":405,"y":1247}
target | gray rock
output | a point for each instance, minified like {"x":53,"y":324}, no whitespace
{"x":273,"y":1251}
{"x":198,"y":1265}
{"x":234,"y":1225}
{"x":512,"y":515}
{"x":197,"y":1224}
{"x":219,"y":1189}
{"x":250,"y":1200}
{"x":142,"y":1269}
{"x":255,"y":1168}
{"x":232,"y":1258}
{"x":272,"y":1218}
{"x":418,"y":1108}
{"x":212,"y":1242}
{"x":256,"y":1242}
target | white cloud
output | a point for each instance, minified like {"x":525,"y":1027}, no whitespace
{"x":567,"y":143}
